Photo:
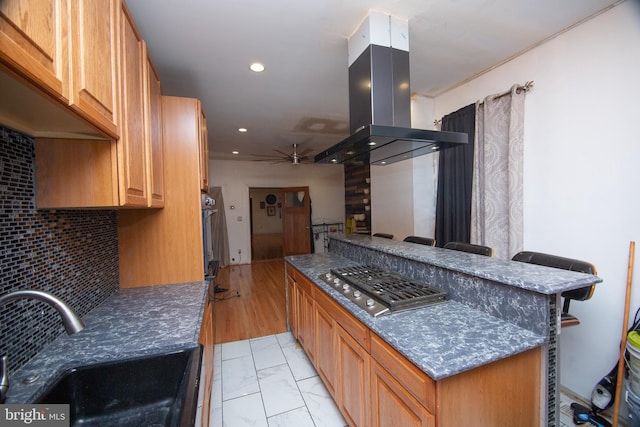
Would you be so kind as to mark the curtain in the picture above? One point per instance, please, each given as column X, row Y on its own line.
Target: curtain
column 496, row 209
column 219, row 236
column 455, row 178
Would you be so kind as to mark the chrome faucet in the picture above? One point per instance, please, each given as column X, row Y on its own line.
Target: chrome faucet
column 70, row 319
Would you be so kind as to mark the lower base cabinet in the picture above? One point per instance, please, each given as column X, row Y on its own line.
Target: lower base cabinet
column 392, row 405
column 353, row 383
column 326, row 348
column 207, row 341
column 374, row 385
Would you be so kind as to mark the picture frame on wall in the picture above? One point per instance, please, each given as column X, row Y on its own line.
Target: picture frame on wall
column 261, row 205
column 271, row 211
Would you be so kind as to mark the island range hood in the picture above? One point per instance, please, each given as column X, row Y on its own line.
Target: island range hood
column 380, row 100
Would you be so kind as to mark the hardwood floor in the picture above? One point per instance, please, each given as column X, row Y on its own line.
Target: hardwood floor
column 260, row 307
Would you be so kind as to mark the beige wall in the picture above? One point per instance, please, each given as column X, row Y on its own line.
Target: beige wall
column 326, row 190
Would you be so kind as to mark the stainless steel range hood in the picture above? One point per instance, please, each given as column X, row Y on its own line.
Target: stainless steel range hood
column 380, row 102
column 381, row 145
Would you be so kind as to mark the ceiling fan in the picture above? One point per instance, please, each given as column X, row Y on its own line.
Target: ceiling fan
column 294, row 158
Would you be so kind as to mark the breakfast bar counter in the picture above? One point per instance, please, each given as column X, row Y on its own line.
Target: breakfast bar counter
column 500, row 320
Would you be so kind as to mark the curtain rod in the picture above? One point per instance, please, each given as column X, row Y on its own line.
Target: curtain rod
column 519, row 89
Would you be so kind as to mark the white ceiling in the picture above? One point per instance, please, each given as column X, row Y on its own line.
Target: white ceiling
column 202, row 49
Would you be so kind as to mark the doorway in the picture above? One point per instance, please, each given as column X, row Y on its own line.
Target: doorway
column 280, row 222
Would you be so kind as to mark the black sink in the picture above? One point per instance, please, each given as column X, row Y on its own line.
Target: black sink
column 159, row 390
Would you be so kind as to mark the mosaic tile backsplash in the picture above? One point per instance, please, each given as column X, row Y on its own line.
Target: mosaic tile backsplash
column 70, row 253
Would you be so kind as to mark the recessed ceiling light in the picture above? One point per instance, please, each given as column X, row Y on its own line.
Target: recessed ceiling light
column 334, row 160
column 256, row 67
column 372, row 143
column 235, row 152
column 242, row 129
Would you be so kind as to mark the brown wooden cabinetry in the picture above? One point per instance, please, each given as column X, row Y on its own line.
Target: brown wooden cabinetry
column 353, row 384
column 392, row 404
column 155, row 145
column 132, row 147
column 204, row 152
column 162, row 246
column 374, row 385
column 292, row 305
column 66, row 50
column 93, row 91
column 33, row 41
column 207, row 341
column 127, row 171
column 325, row 342
column 306, row 324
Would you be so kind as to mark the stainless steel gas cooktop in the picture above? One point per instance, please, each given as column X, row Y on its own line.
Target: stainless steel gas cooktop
column 379, row 291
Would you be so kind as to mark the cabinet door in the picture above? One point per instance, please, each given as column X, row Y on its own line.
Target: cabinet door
column 132, row 149
column 292, row 306
column 353, row 385
column 325, row 348
column 391, row 404
column 305, row 323
column 155, row 154
column 33, row 41
column 204, row 153
column 207, row 340
column 94, row 62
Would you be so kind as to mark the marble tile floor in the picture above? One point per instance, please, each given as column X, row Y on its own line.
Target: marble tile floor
column 269, row 381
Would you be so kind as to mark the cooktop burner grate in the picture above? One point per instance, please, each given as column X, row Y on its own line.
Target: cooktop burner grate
column 392, row 290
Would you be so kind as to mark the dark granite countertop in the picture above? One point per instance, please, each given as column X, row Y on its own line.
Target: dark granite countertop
column 132, row 323
column 442, row 339
column 544, row 280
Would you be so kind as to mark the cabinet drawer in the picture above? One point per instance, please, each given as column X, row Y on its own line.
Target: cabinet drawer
column 357, row 330
column 305, row 284
column 413, row 379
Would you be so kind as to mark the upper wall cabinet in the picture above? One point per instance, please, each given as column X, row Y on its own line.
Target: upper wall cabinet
column 67, row 51
column 155, row 145
column 204, row 152
column 122, row 172
column 33, row 40
column 94, row 79
column 132, row 147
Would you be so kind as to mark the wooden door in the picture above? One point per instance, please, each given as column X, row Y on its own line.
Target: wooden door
column 353, row 385
column 94, row 59
column 132, row 149
column 296, row 221
column 392, row 405
column 33, row 41
column 153, row 98
column 326, row 348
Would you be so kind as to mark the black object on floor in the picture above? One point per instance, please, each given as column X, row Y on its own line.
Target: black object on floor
column 582, row 415
column 217, row 289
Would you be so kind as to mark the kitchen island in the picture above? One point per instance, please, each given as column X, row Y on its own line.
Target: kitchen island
column 498, row 328
column 132, row 323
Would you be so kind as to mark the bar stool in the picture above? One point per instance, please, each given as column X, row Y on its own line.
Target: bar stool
column 581, row 294
column 470, row 248
column 420, row 240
